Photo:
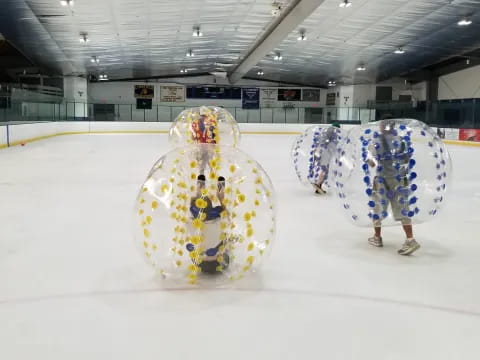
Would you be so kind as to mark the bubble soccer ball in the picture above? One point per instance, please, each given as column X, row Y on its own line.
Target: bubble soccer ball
column 312, row 152
column 204, row 125
column 390, row 172
column 205, row 213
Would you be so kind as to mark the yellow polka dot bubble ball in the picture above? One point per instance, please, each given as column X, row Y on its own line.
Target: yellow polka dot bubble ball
column 204, row 125
column 205, row 215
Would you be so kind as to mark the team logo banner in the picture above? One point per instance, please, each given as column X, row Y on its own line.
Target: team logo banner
column 144, row 91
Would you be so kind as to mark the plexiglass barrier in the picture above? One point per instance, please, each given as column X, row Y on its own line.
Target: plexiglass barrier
column 453, row 113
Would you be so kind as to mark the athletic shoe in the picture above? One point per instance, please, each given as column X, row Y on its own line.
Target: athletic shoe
column 409, row 247
column 318, row 190
column 375, row 241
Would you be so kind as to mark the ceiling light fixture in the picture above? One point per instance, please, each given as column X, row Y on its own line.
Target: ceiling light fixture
column 84, row 38
column 197, row 32
column 465, row 22
column 361, row 68
column 399, row 51
column 332, row 83
column 94, row 59
column 190, row 53
column 66, row 2
column 278, row 57
column 260, row 72
column 183, row 71
column 102, row 77
column 345, row 4
column 302, row 36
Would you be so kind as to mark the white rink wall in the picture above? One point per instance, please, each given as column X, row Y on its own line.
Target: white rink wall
column 34, row 131
column 19, row 133
column 3, row 136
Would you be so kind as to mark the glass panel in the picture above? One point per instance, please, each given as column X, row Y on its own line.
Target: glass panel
column 279, row 115
column 266, row 115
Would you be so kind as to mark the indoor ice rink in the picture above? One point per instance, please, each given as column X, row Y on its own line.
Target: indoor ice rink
column 89, row 93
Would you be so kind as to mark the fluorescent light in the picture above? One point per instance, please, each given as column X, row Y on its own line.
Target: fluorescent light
column 345, row 4
column 84, row 38
column 190, row 53
column 278, row 57
column 94, row 59
column 302, row 37
column 399, row 51
column 102, row 77
column 197, row 32
column 332, row 83
column 183, row 71
column 66, row 2
column 464, row 22
column 361, row 68
column 260, row 72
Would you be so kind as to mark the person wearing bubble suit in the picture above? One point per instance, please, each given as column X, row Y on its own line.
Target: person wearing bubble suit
column 215, row 257
column 312, row 153
column 389, row 172
column 390, row 156
column 204, row 125
column 194, row 227
column 326, row 147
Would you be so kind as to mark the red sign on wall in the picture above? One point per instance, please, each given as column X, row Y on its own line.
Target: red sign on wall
column 469, row 135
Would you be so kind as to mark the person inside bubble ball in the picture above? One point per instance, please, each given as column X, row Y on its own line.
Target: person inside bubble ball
column 326, row 146
column 213, row 255
column 204, row 131
column 389, row 156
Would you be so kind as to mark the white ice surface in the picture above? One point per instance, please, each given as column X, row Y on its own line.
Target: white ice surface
column 72, row 285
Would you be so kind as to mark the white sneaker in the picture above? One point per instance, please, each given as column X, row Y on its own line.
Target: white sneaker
column 375, row 241
column 409, row 247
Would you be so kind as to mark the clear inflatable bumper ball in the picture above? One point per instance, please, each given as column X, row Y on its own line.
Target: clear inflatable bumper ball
column 391, row 172
column 204, row 125
column 205, row 213
column 313, row 151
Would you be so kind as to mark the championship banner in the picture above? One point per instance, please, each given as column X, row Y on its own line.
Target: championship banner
column 311, row 95
column 144, row 91
column 469, row 135
column 172, row 93
column 268, row 97
column 250, row 98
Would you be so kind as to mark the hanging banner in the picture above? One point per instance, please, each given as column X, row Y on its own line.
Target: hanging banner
column 311, row 95
column 289, row 94
column 250, row 98
column 268, row 97
column 331, row 98
column 214, row 92
column 469, row 135
column 144, row 91
column 172, row 93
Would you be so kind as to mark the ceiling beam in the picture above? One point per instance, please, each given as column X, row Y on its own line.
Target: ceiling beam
column 287, row 22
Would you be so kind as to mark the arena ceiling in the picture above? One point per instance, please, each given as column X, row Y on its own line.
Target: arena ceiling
column 140, row 38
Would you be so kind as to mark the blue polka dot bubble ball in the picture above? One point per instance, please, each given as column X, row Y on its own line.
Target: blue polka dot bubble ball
column 391, row 172
column 313, row 151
